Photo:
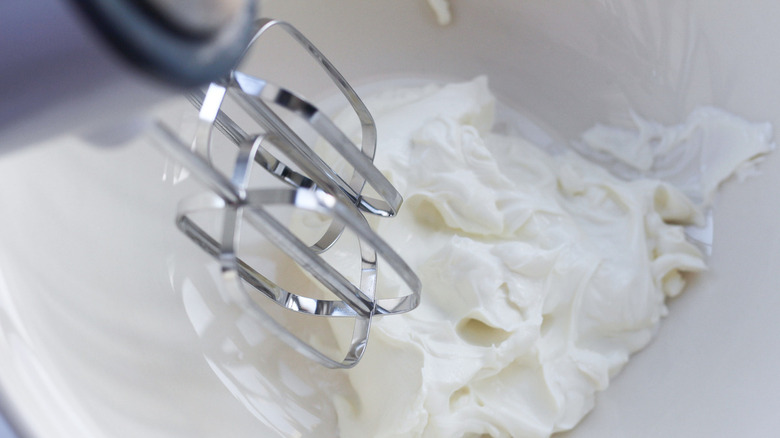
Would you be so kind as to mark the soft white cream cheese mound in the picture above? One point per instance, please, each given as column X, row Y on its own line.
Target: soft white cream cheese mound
column 696, row 155
column 441, row 8
column 541, row 275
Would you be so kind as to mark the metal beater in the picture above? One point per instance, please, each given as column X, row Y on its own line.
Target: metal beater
column 316, row 187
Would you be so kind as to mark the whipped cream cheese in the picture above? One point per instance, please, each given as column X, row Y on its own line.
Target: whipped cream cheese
column 441, row 8
column 541, row 273
column 695, row 156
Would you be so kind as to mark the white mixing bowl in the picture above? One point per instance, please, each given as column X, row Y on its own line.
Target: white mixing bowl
column 98, row 323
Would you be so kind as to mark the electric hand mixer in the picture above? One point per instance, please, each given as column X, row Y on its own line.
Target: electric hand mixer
column 191, row 43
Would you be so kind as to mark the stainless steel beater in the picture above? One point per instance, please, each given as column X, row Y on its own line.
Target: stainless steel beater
column 315, row 187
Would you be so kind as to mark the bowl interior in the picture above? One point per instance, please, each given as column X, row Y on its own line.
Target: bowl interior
column 108, row 324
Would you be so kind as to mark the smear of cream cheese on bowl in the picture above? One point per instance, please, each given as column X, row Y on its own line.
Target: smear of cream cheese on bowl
column 542, row 272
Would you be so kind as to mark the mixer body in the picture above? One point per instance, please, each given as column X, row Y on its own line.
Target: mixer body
column 67, row 65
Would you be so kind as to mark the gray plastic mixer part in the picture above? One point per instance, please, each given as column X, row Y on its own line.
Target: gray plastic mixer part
column 66, row 64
